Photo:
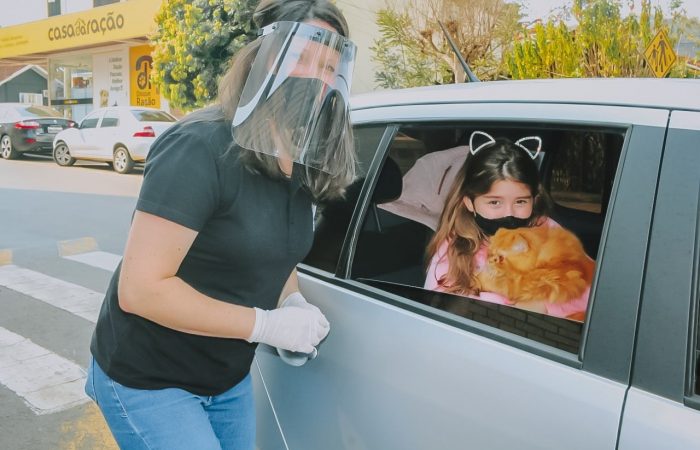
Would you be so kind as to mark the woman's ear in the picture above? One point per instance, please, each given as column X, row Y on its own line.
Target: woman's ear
column 468, row 203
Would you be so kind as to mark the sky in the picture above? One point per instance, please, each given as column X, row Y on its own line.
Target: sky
column 534, row 9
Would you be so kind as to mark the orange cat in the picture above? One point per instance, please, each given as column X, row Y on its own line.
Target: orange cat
column 536, row 264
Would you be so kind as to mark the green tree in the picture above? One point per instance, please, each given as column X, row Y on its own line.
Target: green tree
column 412, row 49
column 601, row 44
column 193, row 42
column 683, row 28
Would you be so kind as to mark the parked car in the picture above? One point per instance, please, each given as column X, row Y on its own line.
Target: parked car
column 26, row 128
column 406, row 368
column 119, row 135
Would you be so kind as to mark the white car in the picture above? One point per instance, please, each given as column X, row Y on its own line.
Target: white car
column 120, row 136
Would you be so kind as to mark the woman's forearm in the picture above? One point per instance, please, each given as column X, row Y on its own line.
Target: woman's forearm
column 174, row 304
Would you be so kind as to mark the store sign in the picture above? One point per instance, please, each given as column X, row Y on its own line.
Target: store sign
column 71, row 101
column 143, row 91
column 124, row 20
column 110, row 72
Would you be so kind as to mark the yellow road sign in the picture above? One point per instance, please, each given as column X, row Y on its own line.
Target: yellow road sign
column 660, row 55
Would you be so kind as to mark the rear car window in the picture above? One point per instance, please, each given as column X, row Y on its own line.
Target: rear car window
column 143, row 115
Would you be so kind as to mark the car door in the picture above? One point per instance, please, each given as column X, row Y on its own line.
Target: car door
column 86, row 140
column 663, row 404
column 412, row 369
column 107, row 134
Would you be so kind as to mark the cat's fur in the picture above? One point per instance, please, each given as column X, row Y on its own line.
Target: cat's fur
column 536, row 264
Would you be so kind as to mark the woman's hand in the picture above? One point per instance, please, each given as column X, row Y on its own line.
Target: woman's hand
column 294, row 328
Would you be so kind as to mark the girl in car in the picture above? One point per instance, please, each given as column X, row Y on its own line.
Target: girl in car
column 497, row 187
column 222, row 219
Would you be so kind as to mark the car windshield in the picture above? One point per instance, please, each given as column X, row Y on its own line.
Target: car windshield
column 37, row 110
column 143, row 115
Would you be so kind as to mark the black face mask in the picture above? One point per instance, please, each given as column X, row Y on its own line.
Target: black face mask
column 490, row 226
column 295, row 90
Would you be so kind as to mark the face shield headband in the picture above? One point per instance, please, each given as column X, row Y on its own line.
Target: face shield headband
column 294, row 103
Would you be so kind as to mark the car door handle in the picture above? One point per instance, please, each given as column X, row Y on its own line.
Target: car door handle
column 296, row 359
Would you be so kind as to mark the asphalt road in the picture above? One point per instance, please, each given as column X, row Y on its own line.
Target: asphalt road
column 62, row 230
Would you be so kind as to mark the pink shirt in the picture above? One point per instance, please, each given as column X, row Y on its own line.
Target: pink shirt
column 439, row 265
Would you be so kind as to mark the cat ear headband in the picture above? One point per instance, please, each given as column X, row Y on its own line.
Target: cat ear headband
column 519, row 143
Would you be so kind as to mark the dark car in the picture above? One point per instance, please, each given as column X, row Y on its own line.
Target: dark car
column 29, row 128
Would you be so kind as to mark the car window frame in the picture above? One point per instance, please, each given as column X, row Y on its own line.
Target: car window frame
column 667, row 335
column 642, row 124
column 98, row 114
column 117, row 116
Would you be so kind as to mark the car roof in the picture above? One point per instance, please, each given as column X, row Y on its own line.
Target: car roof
column 129, row 108
column 671, row 93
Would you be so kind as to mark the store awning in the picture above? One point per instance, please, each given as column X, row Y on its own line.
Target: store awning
column 126, row 22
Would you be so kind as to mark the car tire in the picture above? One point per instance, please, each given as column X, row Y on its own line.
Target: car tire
column 7, row 151
column 61, row 155
column 122, row 162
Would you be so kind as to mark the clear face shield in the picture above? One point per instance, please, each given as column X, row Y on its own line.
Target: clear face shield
column 294, row 104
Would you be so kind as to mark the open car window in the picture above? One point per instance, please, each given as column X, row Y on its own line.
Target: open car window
column 577, row 165
column 332, row 220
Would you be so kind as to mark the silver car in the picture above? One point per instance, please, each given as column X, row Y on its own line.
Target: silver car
column 407, row 368
column 118, row 135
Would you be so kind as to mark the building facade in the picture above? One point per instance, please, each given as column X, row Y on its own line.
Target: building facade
column 96, row 52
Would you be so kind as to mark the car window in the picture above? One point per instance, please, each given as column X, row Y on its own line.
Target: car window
column 144, row 115
column 110, row 119
column 38, row 111
column 420, row 167
column 90, row 121
column 331, row 220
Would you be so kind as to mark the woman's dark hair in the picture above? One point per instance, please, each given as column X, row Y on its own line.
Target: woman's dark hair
column 320, row 185
column 501, row 160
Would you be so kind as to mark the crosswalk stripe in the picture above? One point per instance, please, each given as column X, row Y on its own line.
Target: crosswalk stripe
column 47, row 382
column 99, row 259
column 78, row 300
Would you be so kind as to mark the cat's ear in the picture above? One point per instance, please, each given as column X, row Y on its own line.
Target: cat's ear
column 520, row 245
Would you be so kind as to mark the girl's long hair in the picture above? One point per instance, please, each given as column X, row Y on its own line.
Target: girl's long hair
column 500, row 161
column 341, row 160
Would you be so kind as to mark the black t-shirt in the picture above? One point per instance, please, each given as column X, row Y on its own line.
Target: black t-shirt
column 253, row 230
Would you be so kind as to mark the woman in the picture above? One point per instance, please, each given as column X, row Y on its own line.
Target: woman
column 223, row 216
column 498, row 186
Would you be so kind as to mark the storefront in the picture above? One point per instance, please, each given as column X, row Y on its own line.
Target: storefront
column 95, row 58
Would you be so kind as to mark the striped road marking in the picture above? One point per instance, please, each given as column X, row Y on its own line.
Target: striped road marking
column 76, row 246
column 99, row 259
column 47, row 382
column 70, row 297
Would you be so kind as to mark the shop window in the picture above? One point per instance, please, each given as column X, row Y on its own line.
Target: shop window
column 53, row 7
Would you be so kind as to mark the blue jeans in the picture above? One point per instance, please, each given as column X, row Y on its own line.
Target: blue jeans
column 173, row 418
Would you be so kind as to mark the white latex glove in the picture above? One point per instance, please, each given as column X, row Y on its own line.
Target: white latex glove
column 296, row 299
column 290, row 328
